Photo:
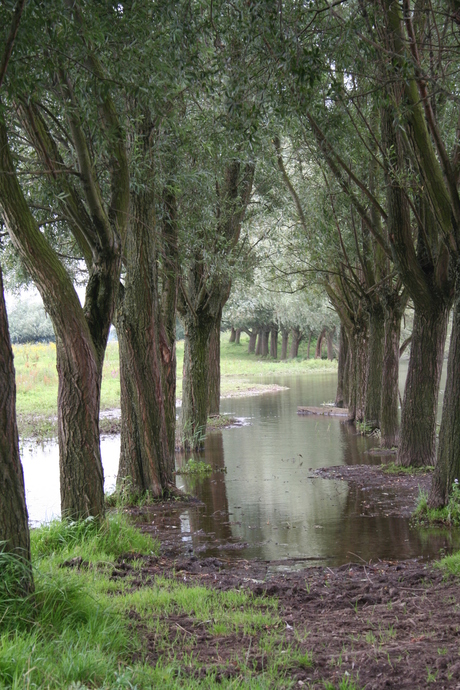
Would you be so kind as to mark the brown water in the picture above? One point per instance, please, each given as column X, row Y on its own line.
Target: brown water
column 262, row 500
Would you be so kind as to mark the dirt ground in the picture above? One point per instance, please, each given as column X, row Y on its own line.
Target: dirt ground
column 383, row 624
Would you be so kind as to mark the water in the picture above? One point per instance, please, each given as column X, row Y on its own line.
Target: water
column 267, row 504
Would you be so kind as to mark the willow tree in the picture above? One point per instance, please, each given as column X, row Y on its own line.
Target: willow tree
column 426, row 121
column 97, row 222
column 204, row 290
column 146, row 308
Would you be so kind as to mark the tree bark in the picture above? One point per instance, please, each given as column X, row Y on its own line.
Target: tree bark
column 146, row 339
column 309, row 344
column 284, row 343
column 232, row 338
column 203, row 298
column 389, row 415
column 143, row 431
column 343, row 349
column 274, row 342
column 358, row 349
column 195, row 382
column 259, row 342
column 330, row 343
column 252, row 341
column 447, row 468
column 14, row 525
column 374, row 365
column 214, row 368
column 238, row 336
column 418, row 420
column 319, row 344
column 265, row 337
column 296, row 339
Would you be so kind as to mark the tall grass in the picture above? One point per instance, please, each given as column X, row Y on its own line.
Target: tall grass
column 91, row 539
column 67, row 631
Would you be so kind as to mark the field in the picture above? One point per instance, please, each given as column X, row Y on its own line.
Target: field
column 37, row 381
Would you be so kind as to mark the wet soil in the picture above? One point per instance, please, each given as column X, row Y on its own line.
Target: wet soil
column 392, row 494
column 381, row 624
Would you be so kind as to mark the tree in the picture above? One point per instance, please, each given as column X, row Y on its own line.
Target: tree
column 14, row 525
column 98, row 229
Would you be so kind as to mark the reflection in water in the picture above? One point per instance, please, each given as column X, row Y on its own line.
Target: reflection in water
column 262, row 500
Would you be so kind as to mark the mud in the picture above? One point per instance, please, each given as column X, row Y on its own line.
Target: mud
column 381, row 624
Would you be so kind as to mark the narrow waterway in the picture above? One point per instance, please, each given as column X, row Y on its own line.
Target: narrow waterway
column 262, row 499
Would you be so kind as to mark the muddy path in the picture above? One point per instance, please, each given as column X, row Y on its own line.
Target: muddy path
column 381, row 624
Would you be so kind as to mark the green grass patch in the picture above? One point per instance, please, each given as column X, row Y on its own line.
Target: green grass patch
column 448, row 515
column 76, row 630
column 90, row 539
column 451, row 564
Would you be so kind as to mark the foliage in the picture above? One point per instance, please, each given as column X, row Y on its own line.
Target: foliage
column 29, row 323
column 196, row 467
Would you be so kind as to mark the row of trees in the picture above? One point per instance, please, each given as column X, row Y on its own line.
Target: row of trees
column 265, row 316
column 391, row 183
column 136, row 139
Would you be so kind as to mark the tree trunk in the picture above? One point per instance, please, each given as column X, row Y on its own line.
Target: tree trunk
column 274, row 342
column 319, row 344
column 214, row 369
column 284, row 343
column 296, row 339
column 330, row 343
column 169, row 295
column 147, row 451
column 259, row 342
column 447, row 469
column 343, row 349
column 374, row 365
column 358, row 348
column 14, row 526
column 265, row 337
column 79, row 389
column 309, row 344
column 418, row 420
column 389, row 416
column 238, row 336
column 252, row 341
column 232, row 335
column 194, row 411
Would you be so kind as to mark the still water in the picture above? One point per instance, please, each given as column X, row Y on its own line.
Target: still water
column 262, row 500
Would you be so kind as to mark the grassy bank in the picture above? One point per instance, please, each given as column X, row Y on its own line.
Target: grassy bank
column 36, row 379
column 84, row 628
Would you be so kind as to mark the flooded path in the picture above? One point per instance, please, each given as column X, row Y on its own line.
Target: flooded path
column 263, row 499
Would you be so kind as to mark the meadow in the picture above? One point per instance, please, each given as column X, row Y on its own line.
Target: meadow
column 37, row 381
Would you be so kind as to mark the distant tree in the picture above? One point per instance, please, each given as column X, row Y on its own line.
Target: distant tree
column 29, row 323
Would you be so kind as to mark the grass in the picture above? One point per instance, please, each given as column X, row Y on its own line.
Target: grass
column 393, row 468
column 447, row 515
column 37, row 381
column 76, row 630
